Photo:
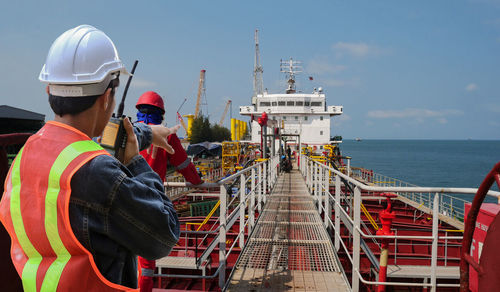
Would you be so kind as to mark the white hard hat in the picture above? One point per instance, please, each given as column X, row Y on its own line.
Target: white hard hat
column 81, row 62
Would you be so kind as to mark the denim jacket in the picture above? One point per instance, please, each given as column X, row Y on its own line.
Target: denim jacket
column 118, row 212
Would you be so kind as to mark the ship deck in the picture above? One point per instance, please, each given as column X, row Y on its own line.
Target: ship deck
column 289, row 250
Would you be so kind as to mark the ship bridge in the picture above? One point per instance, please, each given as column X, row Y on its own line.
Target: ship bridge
column 315, row 229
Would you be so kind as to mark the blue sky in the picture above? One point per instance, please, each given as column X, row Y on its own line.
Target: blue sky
column 401, row 69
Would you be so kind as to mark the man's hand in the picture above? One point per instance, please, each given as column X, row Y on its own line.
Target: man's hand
column 160, row 134
column 132, row 147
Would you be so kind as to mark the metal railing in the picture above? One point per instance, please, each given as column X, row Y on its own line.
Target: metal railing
column 317, row 180
column 448, row 205
column 254, row 183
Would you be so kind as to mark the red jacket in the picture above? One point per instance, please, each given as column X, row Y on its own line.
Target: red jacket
column 158, row 159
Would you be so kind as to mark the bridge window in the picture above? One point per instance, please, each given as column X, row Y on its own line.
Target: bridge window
column 281, row 103
column 284, row 118
column 289, row 103
column 321, row 132
column 305, row 118
column 307, row 103
column 320, row 118
column 316, row 103
column 274, row 103
column 299, row 103
column 296, row 118
column 265, row 103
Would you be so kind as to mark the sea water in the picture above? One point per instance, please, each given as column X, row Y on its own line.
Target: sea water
column 427, row 163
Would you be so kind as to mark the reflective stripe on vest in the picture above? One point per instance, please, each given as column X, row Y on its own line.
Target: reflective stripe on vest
column 35, row 211
column 53, row 274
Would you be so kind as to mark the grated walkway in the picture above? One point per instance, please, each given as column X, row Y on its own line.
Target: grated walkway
column 289, row 250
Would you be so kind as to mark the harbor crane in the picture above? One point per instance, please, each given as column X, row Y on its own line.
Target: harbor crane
column 201, row 89
column 228, row 104
column 179, row 117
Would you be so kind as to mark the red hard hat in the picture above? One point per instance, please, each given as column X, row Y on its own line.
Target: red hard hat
column 151, row 98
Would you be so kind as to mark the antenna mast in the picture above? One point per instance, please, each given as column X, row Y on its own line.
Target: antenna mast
column 290, row 67
column 258, row 84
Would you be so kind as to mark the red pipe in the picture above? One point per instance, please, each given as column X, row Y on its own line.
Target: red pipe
column 386, row 216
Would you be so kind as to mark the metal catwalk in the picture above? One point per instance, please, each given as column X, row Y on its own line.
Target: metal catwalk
column 289, row 249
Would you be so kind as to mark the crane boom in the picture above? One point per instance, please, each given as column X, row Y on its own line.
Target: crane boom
column 201, row 87
column 225, row 112
column 181, row 120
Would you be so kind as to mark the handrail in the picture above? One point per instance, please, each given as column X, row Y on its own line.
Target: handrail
column 261, row 177
column 370, row 218
column 409, row 189
column 314, row 173
column 209, row 215
column 402, row 283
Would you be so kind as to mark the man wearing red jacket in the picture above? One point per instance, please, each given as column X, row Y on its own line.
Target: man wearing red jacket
column 150, row 111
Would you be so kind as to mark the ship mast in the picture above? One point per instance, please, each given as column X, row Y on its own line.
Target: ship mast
column 290, row 67
column 258, row 84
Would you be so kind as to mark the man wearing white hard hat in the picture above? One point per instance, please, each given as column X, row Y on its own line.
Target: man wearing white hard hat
column 77, row 216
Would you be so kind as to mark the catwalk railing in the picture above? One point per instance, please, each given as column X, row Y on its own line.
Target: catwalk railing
column 253, row 184
column 318, row 177
column 450, row 206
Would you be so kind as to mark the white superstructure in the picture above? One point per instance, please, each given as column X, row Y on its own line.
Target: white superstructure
column 307, row 115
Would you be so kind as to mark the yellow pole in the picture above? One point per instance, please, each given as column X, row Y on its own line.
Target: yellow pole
column 240, row 130
column 190, row 124
column 233, row 129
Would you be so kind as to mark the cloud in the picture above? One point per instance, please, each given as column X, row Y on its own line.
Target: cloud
column 141, row 83
column 417, row 113
column 471, row 87
column 359, row 50
column 319, row 67
column 495, row 108
column 341, row 119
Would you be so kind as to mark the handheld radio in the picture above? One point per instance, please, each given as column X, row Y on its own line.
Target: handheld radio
column 114, row 136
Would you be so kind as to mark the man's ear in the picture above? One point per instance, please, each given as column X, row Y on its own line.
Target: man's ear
column 47, row 90
column 107, row 99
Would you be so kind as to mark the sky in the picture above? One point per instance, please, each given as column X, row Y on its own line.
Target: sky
column 401, row 69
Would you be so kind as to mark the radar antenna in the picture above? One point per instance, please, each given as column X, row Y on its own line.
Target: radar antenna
column 291, row 68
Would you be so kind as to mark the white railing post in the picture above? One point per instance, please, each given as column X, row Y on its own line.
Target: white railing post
column 320, row 189
column 435, row 233
column 356, row 240
column 243, row 206
column 264, row 188
column 259, row 188
column 349, row 166
column 326, row 195
column 337, row 211
column 314, row 182
column 309, row 175
column 251, row 210
column 222, row 236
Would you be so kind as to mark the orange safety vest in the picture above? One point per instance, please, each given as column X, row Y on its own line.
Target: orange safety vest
column 35, row 211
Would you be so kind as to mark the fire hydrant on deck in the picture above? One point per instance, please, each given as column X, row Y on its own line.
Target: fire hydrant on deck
column 386, row 216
